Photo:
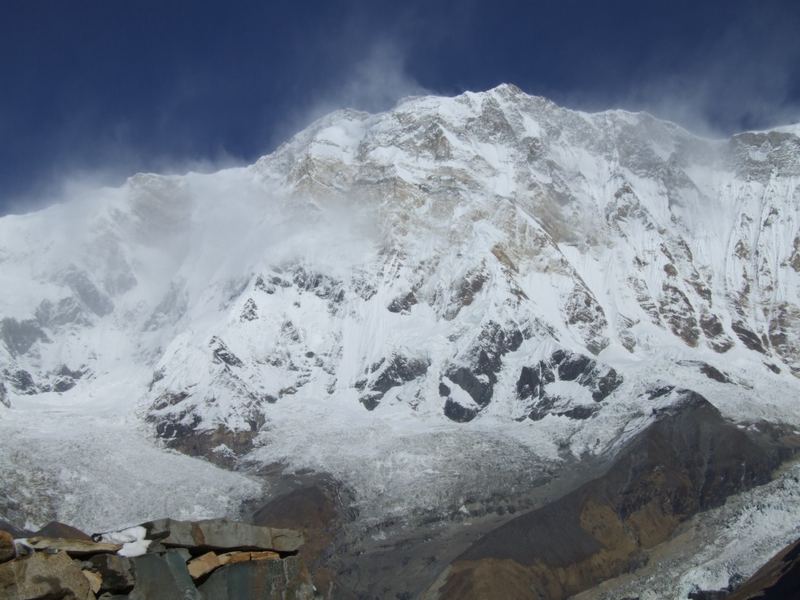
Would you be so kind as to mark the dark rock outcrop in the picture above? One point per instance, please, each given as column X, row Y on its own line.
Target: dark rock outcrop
column 459, row 413
column 562, row 365
column 22, row 382
column 319, row 506
column 748, row 338
column 221, row 353
column 384, row 375
column 56, row 529
column 715, row 333
column 249, row 311
column 689, row 459
column 163, row 576
column 714, row 373
column 403, row 304
column 208, row 443
column 678, row 313
column 479, row 376
column 117, row 573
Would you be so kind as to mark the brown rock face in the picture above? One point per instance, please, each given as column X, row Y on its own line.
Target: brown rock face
column 44, row 576
column 6, row 547
column 203, row 443
column 316, row 508
column 679, row 314
column 688, row 460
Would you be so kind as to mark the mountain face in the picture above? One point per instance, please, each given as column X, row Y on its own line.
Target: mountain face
column 490, row 255
column 429, row 298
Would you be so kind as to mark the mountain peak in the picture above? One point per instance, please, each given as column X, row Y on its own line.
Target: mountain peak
column 486, row 265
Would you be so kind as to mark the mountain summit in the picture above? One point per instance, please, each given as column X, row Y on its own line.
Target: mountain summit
column 474, row 280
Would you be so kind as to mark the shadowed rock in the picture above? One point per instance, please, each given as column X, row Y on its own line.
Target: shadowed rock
column 748, row 338
column 56, row 529
column 689, row 459
column 263, row 579
column 222, row 354
column 484, row 361
column 117, row 573
column 458, row 413
column 562, row 365
column 320, row 507
column 164, row 577
column 384, row 375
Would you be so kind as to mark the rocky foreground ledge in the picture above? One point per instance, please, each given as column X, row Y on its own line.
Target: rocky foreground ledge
column 214, row 559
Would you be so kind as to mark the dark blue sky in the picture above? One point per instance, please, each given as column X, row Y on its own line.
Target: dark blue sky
column 109, row 87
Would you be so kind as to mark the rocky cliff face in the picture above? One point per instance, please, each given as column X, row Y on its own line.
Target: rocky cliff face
column 688, row 460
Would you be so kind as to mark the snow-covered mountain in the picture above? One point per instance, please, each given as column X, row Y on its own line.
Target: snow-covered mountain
column 490, row 261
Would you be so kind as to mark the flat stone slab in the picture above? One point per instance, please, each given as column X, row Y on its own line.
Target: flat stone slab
column 222, row 534
column 205, row 564
column 235, row 557
column 72, row 547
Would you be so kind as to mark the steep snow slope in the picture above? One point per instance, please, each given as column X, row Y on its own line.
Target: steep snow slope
column 473, row 279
